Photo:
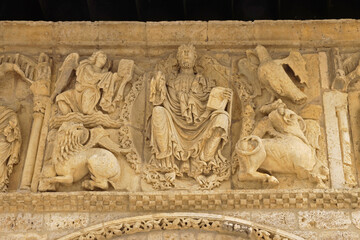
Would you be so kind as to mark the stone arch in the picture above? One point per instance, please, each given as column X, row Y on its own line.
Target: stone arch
column 180, row 221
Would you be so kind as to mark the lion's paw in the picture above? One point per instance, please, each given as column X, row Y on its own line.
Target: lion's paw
column 273, row 180
column 170, row 177
column 87, row 185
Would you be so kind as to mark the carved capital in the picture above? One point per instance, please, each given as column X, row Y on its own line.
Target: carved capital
column 40, row 103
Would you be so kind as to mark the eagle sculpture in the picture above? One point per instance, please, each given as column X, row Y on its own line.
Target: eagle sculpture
column 275, row 75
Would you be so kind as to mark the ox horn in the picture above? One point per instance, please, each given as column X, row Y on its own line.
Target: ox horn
column 302, row 124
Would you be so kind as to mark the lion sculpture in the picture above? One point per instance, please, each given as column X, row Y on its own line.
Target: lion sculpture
column 72, row 159
column 279, row 144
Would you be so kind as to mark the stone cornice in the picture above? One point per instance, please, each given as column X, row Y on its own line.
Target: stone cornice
column 212, row 34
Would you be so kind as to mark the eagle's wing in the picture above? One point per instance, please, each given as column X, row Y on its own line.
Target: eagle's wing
column 351, row 63
column 297, row 64
column 70, row 63
column 125, row 72
column 8, row 67
column 248, row 67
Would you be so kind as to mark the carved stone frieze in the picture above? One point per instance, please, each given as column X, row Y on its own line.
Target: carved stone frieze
column 123, row 119
column 191, row 104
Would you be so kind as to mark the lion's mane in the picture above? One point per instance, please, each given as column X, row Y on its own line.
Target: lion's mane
column 67, row 142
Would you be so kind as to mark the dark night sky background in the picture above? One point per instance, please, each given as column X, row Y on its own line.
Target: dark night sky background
column 172, row 10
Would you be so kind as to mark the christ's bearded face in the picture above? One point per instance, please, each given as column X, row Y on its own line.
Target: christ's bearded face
column 186, row 57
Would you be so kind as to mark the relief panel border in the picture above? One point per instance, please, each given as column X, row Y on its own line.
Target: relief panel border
column 179, row 201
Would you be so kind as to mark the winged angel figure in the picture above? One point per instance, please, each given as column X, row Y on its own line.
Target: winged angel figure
column 189, row 126
column 96, row 88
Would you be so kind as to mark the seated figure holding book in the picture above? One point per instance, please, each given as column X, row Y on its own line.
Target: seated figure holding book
column 190, row 121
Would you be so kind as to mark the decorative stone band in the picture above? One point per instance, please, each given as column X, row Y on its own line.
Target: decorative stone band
column 181, row 221
column 179, row 201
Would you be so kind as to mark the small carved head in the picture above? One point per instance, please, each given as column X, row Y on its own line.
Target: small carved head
column 286, row 121
column 283, row 116
column 75, row 129
column 98, row 58
column 186, row 56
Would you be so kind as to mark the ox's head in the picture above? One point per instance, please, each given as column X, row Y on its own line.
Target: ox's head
column 286, row 121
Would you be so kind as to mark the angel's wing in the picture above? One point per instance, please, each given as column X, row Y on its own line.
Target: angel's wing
column 125, row 72
column 297, row 64
column 351, row 63
column 212, row 70
column 70, row 63
column 248, row 68
column 7, row 67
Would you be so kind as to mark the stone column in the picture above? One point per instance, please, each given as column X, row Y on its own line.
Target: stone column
column 41, row 91
column 346, row 148
column 41, row 147
column 338, row 139
column 31, row 151
column 354, row 106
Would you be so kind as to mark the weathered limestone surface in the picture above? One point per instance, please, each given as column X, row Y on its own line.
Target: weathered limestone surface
column 180, row 130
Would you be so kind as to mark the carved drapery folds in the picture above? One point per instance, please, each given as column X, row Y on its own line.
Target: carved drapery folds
column 121, row 126
column 188, row 120
column 10, row 143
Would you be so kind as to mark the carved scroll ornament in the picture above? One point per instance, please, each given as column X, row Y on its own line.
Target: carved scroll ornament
column 181, row 221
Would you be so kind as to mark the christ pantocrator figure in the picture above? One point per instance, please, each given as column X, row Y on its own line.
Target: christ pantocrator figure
column 190, row 122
